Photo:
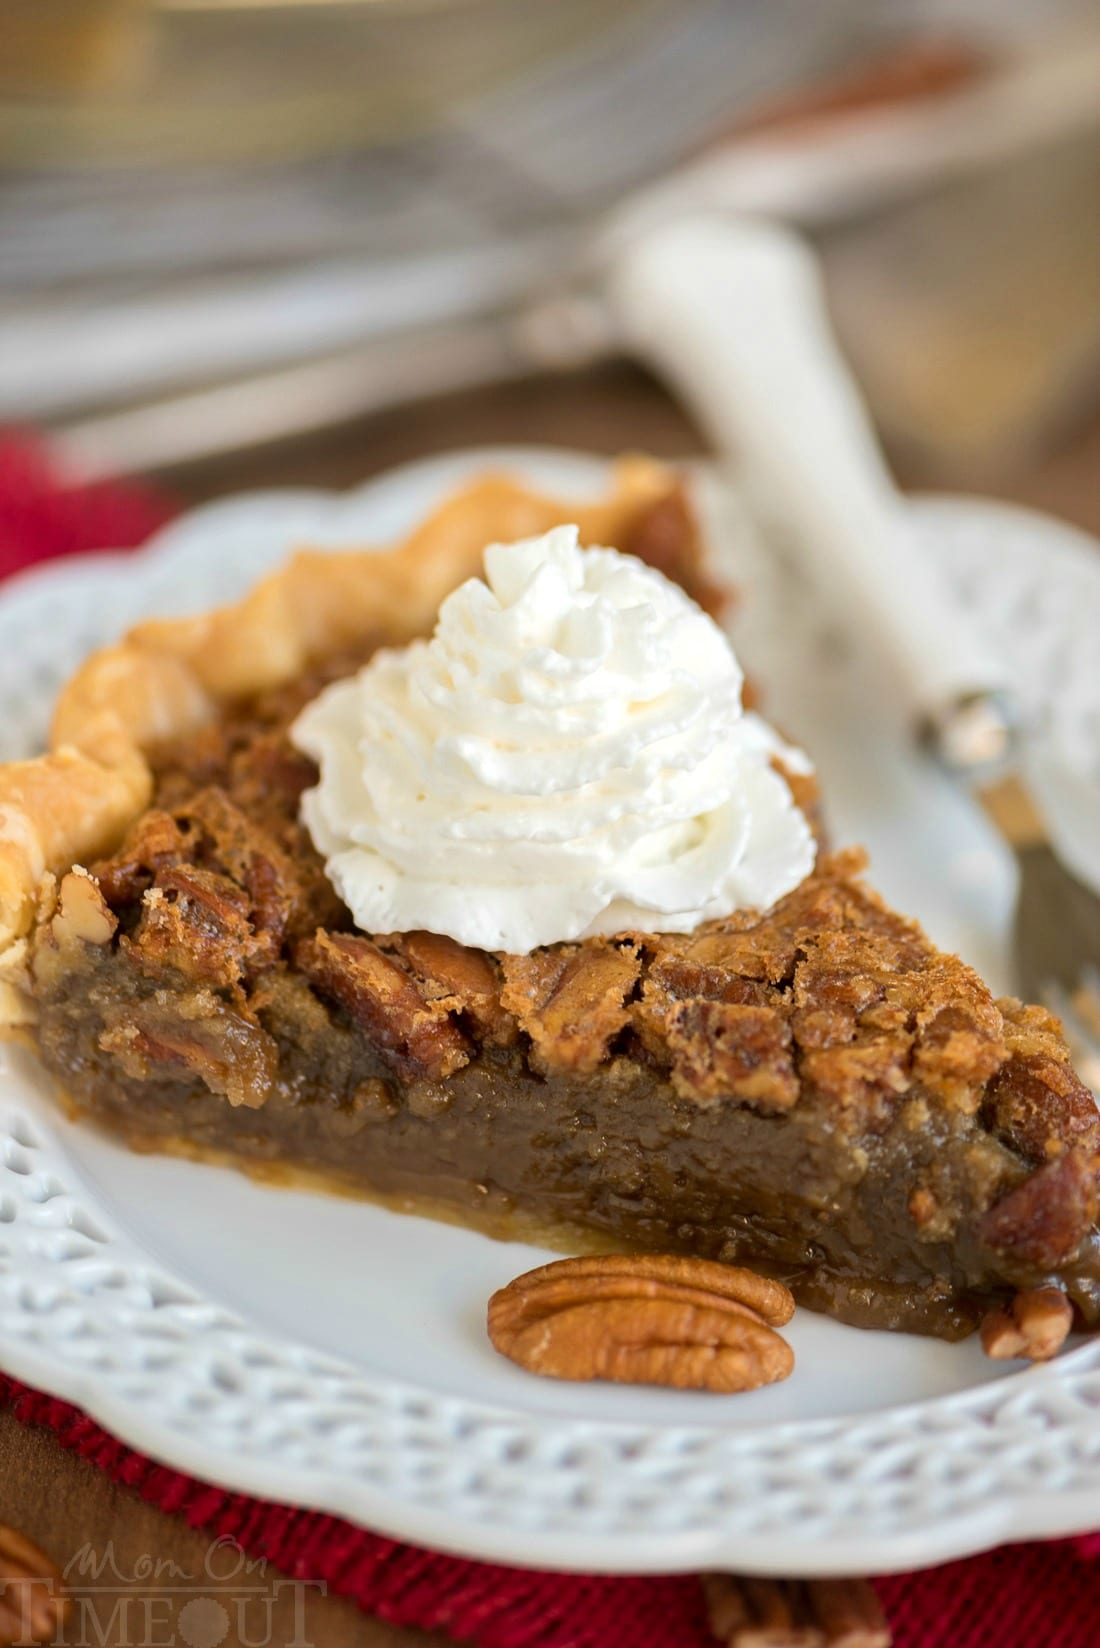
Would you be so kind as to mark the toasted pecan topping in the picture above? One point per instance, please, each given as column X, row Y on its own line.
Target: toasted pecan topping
column 419, row 1036
column 197, row 923
column 460, row 979
column 33, row 1601
column 1036, row 1102
column 571, row 1000
column 829, row 1008
column 1033, row 1328
column 727, row 1050
column 745, row 949
column 830, row 985
column 155, row 840
column 674, row 976
column 831, row 1002
column 645, row 1319
column 960, row 1043
column 230, row 842
column 830, row 996
column 862, row 1078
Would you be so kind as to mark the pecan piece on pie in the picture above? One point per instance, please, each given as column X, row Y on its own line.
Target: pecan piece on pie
column 83, row 916
column 461, row 980
column 198, row 1037
column 571, row 1000
column 1039, row 1219
column 418, row 1035
column 645, row 1319
column 721, row 1050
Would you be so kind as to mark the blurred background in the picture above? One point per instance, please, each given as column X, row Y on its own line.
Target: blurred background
column 256, row 240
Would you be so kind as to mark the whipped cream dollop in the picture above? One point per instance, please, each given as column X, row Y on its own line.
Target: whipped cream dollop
column 568, row 755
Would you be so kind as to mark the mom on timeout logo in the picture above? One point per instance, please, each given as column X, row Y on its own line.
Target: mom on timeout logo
column 99, row 1601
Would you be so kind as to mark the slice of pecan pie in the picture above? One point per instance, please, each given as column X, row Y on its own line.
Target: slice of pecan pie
column 811, row 1088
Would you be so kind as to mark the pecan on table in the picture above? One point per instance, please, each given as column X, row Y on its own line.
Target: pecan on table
column 791, row 1613
column 33, row 1604
column 646, row 1319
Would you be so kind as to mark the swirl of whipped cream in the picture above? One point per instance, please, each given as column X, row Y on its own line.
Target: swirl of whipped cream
column 566, row 756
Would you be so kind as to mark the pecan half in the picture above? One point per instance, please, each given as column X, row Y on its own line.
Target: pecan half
column 1033, row 1328
column 33, row 1604
column 1044, row 1219
column 571, row 1001
column 645, row 1319
column 789, row 1613
column 416, row 1035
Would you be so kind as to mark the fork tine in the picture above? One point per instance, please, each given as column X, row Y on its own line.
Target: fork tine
column 1057, row 937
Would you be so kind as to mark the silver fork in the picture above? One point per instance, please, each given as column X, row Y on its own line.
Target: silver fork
column 1056, row 939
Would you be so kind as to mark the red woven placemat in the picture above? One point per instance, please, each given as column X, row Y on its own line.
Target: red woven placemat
column 1024, row 1596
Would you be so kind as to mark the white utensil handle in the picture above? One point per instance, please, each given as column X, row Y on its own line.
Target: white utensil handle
column 733, row 313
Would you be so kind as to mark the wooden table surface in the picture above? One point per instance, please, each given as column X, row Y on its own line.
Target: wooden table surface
column 64, row 1504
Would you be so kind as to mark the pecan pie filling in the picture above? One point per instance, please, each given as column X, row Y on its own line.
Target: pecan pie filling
column 814, row 1090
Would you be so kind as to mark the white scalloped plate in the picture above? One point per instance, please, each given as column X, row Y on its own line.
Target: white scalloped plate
column 331, row 1354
